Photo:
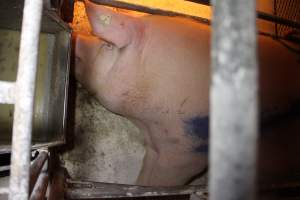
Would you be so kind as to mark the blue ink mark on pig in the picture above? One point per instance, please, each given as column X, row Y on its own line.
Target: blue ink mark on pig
column 203, row 148
column 198, row 129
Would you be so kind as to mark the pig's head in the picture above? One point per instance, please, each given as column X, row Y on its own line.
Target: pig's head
column 94, row 59
column 97, row 54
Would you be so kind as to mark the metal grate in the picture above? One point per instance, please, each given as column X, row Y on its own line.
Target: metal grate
column 287, row 9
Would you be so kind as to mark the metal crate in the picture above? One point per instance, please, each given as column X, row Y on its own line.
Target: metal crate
column 52, row 74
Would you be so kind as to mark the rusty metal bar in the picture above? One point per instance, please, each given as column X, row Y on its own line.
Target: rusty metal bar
column 93, row 190
column 40, row 188
column 233, row 101
column 39, row 191
column 7, row 92
column 35, row 169
column 57, row 186
column 24, row 95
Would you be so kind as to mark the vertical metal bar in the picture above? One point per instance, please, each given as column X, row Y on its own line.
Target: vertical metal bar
column 24, row 91
column 233, row 101
column 57, row 185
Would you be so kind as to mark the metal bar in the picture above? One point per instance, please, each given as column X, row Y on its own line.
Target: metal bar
column 57, row 186
column 7, row 148
column 205, row 2
column 36, row 168
column 233, row 101
column 40, row 188
column 93, row 190
column 24, row 91
column 7, row 92
column 278, row 20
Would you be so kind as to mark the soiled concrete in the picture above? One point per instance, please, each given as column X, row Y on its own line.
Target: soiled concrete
column 108, row 147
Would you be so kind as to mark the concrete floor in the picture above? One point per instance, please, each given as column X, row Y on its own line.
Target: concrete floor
column 108, row 148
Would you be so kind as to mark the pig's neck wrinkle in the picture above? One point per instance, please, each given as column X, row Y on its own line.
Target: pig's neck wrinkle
column 137, row 43
column 139, row 33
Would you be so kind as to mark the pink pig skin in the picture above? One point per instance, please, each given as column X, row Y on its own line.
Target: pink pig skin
column 155, row 71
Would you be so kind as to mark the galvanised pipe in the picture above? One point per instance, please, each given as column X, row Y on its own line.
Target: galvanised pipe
column 24, row 100
column 233, row 101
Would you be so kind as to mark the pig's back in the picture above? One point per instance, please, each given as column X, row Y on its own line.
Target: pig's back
column 175, row 63
column 176, row 57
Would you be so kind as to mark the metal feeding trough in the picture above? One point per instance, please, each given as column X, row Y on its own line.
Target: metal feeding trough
column 50, row 102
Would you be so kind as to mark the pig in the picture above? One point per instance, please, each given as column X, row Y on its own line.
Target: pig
column 155, row 71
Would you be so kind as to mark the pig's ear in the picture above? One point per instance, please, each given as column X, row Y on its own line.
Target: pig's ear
column 114, row 27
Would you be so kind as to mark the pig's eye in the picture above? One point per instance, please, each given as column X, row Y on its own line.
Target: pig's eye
column 108, row 46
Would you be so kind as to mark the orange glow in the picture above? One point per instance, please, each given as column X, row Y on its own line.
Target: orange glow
column 80, row 20
column 176, row 6
column 81, row 24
